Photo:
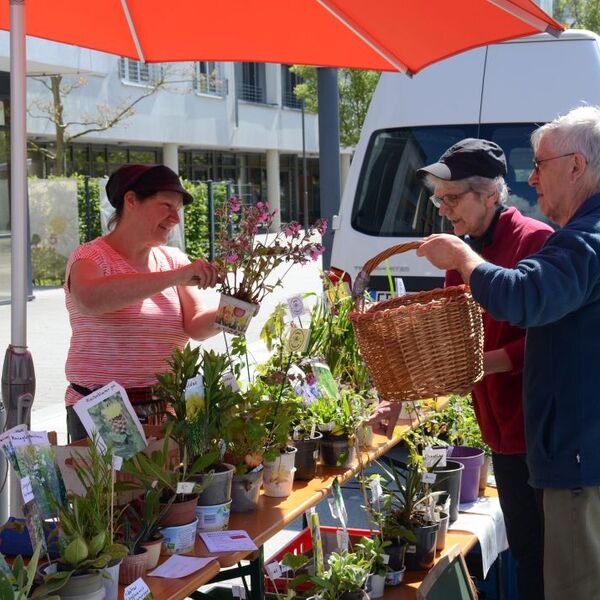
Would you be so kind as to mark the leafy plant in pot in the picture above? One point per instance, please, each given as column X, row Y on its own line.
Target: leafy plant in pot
column 17, row 580
column 171, row 478
column 85, row 531
column 345, row 578
column 408, row 513
column 373, row 550
column 196, row 415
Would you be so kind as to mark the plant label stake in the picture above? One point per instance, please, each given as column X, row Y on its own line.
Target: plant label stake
column 434, row 457
column 138, row 590
column 296, row 306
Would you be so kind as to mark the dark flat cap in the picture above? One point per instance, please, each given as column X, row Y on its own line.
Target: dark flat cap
column 143, row 179
column 467, row 158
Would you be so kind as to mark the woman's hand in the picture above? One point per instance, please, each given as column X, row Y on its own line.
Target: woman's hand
column 200, row 273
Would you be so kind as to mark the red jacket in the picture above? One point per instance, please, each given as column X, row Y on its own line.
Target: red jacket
column 498, row 398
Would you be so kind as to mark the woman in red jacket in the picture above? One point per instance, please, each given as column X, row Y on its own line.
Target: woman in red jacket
column 469, row 190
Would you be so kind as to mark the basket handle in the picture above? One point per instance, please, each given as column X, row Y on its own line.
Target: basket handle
column 362, row 279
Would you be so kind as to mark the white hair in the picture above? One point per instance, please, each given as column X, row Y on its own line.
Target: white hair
column 480, row 185
column 577, row 131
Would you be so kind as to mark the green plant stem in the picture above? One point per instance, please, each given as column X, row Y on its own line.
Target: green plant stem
column 277, row 404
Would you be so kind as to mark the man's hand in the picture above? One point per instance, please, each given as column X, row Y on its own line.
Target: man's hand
column 449, row 252
column 385, row 417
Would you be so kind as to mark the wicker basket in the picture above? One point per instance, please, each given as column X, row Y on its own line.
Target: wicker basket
column 419, row 345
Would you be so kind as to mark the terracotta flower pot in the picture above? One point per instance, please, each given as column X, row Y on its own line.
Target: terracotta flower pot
column 180, row 513
column 133, row 567
column 153, row 551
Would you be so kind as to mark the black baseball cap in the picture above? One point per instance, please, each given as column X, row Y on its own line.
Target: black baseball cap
column 467, row 158
column 143, row 178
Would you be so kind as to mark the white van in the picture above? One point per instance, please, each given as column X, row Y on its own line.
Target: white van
column 500, row 92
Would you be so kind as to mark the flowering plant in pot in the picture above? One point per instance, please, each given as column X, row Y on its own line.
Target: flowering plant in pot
column 245, row 262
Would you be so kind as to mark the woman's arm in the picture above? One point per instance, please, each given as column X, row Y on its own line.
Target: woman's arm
column 198, row 321
column 95, row 293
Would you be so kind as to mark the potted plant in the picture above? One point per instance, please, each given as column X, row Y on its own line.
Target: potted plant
column 85, row 532
column 196, row 416
column 134, row 563
column 345, row 578
column 17, row 580
column 246, row 263
column 373, row 550
column 408, row 513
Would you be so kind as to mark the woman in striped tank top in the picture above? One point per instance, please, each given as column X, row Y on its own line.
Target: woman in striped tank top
column 131, row 299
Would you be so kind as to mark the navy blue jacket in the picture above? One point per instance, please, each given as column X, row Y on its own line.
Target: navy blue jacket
column 555, row 294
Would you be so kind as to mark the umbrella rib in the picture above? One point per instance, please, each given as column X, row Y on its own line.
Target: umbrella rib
column 525, row 16
column 364, row 36
column 132, row 30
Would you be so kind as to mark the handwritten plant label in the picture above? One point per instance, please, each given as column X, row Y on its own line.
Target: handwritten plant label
column 296, row 306
column 428, row 478
column 274, row 570
column 138, row 590
column 434, row 457
column 230, row 381
column 185, row 487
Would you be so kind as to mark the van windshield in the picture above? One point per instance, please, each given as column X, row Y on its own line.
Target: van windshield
column 391, row 201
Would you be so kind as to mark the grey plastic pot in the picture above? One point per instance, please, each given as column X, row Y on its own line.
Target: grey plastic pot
column 245, row 491
column 218, row 490
column 337, row 451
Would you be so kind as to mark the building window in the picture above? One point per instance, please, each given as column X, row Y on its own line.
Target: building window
column 289, row 81
column 134, row 71
column 208, row 79
column 252, row 84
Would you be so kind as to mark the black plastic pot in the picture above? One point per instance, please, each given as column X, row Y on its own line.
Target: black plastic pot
column 336, row 451
column 421, row 555
column 396, row 552
column 307, row 455
column 448, row 479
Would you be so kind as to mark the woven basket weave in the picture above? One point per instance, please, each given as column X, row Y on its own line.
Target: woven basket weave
column 420, row 345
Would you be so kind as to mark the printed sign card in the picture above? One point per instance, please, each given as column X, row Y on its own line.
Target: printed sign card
column 298, row 340
column 328, row 388
column 296, row 306
column 109, row 413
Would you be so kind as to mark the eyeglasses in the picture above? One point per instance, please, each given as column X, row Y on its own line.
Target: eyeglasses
column 450, row 200
column 537, row 163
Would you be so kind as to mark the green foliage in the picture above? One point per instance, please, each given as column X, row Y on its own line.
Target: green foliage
column 578, row 14
column 94, row 193
column 373, row 551
column 17, row 580
column 47, row 265
column 347, row 572
column 356, row 88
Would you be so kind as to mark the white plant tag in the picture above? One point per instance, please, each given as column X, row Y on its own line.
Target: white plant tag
column 138, row 590
column 117, row 462
column 26, row 489
column 313, row 430
column 376, row 490
column 194, row 389
column 274, row 570
column 296, row 306
column 237, row 591
column 434, row 457
column 230, row 381
column 185, row 487
column 343, row 539
column 429, row 478
column 385, row 559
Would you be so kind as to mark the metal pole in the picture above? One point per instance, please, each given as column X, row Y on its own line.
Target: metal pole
column 304, row 173
column 211, row 220
column 329, row 153
column 18, row 377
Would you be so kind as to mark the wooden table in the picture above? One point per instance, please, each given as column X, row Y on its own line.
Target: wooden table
column 272, row 515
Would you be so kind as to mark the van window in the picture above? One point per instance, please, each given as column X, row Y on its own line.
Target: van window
column 390, row 201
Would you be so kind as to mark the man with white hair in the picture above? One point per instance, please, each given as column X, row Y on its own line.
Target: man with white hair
column 555, row 294
column 470, row 192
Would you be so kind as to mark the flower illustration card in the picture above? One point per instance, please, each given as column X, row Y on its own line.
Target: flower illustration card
column 108, row 412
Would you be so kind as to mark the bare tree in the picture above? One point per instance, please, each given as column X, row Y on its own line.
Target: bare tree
column 102, row 116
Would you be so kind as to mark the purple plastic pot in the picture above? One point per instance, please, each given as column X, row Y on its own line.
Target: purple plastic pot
column 472, row 459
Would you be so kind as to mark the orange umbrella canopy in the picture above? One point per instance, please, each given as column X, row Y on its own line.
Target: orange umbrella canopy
column 405, row 35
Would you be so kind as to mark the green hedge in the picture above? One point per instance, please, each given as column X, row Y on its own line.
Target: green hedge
column 195, row 215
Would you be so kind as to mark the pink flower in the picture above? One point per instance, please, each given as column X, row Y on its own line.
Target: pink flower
column 292, row 229
column 235, row 204
column 311, row 379
column 316, row 251
column 264, row 217
column 231, row 258
column 321, row 226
